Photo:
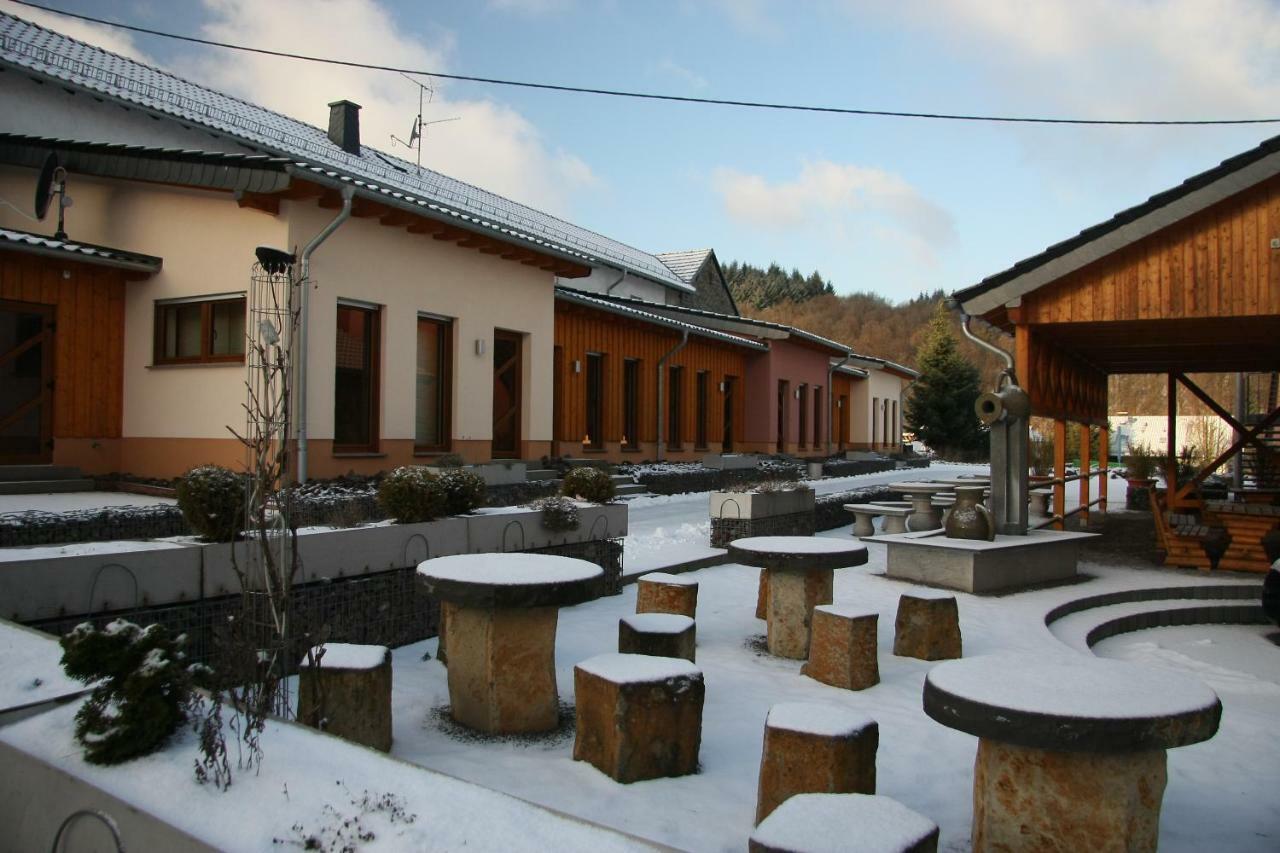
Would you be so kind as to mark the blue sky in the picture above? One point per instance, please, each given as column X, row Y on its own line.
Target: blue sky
column 894, row 206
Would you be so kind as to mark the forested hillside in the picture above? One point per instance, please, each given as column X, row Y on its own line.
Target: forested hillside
column 874, row 326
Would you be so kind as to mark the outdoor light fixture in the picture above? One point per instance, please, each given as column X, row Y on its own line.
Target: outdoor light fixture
column 724, row 386
column 577, row 366
column 480, row 342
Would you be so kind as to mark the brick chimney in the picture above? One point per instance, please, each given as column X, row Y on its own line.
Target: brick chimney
column 344, row 126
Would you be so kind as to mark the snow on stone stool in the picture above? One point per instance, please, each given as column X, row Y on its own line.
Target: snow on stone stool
column 800, row 576
column 1040, row 499
column 347, row 692
column 842, row 647
column 662, row 592
column 815, row 749
column 864, row 516
column 639, row 716
column 927, row 626
column 664, row 635
column 895, row 518
column 827, row 823
column 1081, row 740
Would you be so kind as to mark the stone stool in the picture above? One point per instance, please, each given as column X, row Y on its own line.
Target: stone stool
column 815, row 749
column 927, row 627
column 944, row 504
column 842, row 647
column 661, row 592
column 664, row 635
column 639, row 717
column 819, row 823
column 1040, row 500
column 864, row 516
column 1079, row 741
column 347, row 692
column 895, row 518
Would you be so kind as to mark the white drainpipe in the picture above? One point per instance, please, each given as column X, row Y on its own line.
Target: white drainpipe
column 348, row 193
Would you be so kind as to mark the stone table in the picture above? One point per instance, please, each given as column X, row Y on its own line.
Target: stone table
column 799, row 572
column 924, row 516
column 502, row 613
column 1071, row 748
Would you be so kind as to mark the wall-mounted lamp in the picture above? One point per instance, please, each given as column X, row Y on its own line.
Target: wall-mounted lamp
column 480, row 346
column 797, row 393
column 724, row 386
column 577, row 366
column 839, row 404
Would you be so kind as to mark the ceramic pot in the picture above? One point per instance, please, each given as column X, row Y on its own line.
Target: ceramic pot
column 969, row 518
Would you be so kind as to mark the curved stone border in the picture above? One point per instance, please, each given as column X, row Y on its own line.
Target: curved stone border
column 1248, row 612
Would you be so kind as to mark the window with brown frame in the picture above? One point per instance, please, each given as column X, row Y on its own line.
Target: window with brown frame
column 205, row 331
column 631, row 404
column 700, row 425
column 675, row 407
column 433, row 409
column 355, row 382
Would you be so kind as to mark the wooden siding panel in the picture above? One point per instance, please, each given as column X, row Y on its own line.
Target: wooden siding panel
column 1217, row 263
column 88, row 339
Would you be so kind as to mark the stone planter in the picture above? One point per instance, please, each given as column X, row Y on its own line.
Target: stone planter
column 523, row 531
column 493, row 473
column 728, row 461
column 753, row 505
column 1139, row 496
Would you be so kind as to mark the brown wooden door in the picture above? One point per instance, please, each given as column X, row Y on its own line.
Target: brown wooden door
column 507, row 368
column 726, row 440
column 26, row 383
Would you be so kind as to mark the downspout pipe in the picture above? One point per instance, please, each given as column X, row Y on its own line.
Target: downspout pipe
column 662, row 408
column 304, row 323
column 617, row 281
column 831, row 396
column 989, row 347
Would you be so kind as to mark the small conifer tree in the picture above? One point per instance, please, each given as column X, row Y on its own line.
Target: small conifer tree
column 940, row 406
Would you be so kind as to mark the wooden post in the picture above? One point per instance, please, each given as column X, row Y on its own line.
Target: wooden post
column 1086, row 467
column 1171, row 446
column 1104, row 455
column 1059, row 471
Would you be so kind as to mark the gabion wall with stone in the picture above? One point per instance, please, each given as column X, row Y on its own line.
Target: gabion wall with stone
column 384, row 608
column 715, row 479
column 855, row 467
column 35, row 527
column 725, row 530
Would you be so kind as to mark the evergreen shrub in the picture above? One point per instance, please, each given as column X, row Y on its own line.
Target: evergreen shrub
column 212, row 500
column 411, row 494
column 559, row 514
column 463, row 490
column 143, row 688
column 588, row 484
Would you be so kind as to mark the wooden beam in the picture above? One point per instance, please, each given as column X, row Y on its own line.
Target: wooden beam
column 1171, row 443
column 1104, row 456
column 1253, row 433
column 426, row 226
column 1086, row 465
column 396, row 218
column 362, row 208
column 1203, row 397
column 267, row 203
column 1060, row 471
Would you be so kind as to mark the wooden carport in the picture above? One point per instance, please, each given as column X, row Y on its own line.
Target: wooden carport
column 1187, row 282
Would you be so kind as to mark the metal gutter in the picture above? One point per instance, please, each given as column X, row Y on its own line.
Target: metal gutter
column 590, row 301
column 102, row 256
column 348, row 194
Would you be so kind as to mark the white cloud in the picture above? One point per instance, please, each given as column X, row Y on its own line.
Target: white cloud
column 109, row 38
column 531, row 7
column 492, row 146
column 823, row 191
column 1103, row 59
column 670, row 68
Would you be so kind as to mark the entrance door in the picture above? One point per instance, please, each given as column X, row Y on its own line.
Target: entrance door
column 26, row 383
column 507, row 368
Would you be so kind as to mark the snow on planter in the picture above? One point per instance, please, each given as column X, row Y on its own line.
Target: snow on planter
column 818, row 823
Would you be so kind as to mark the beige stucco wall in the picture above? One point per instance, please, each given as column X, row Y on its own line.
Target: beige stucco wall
column 879, row 386
column 207, row 244
column 411, row 273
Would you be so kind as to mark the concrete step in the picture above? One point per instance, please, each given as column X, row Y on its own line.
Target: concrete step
column 620, row 479
column 535, row 474
column 625, row 490
column 44, row 487
column 38, row 472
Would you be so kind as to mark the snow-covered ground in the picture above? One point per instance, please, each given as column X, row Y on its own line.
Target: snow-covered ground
column 1221, row 794
column 71, row 501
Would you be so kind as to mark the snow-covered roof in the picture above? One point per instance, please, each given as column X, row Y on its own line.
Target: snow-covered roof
column 36, row 244
column 634, row 310
column 685, row 264
column 54, row 56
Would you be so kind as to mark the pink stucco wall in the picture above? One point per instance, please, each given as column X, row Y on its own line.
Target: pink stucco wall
column 798, row 365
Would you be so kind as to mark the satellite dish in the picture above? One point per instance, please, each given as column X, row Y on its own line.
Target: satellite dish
column 44, row 185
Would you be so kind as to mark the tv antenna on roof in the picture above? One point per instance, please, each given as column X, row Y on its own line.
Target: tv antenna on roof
column 416, row 131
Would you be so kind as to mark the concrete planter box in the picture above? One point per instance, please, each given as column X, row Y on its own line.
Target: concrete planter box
column 48, row 587
column 521, row 531
column 729, row 461
column 814, row 470
column 493, row 473
column 1006, row 564
column 761, row 504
